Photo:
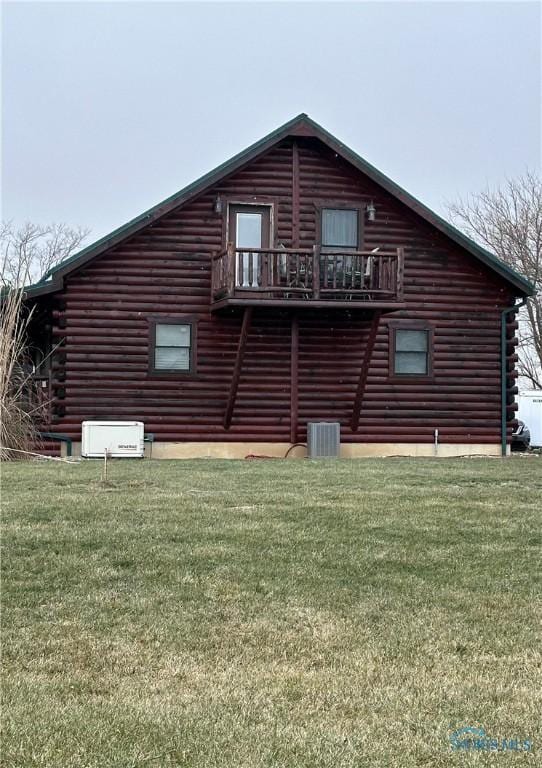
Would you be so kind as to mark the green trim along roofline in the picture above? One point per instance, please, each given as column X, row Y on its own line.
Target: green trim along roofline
column 302, row 125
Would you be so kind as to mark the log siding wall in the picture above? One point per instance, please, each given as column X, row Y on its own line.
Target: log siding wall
column 103, row 313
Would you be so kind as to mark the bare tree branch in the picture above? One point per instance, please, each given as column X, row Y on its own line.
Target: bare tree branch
column 508, row 221
column 29, row 252
column 26, row 253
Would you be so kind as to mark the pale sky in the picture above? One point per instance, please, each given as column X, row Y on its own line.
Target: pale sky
column 110, row 107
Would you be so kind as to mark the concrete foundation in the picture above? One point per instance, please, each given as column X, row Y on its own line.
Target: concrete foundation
column 161, row 450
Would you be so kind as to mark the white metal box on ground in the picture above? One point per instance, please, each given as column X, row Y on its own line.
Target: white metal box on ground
column 530, row 412
column 120, row 439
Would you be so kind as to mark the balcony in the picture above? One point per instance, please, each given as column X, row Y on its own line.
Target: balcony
column 298, row 277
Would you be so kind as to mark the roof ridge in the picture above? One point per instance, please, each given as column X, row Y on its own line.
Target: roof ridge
column 52, row 279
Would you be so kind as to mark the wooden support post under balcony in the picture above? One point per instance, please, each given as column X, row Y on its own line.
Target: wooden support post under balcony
column 364, row 372
column 247, row 317
column 294, row 379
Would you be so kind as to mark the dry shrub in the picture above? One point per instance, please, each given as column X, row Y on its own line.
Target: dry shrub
column 18, row 406
column 26, row 254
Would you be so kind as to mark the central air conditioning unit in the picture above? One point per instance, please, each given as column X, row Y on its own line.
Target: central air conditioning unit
column 323, row 439
column 119, row 439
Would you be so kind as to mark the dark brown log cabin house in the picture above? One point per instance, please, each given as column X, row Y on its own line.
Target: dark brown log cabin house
column 294, row 283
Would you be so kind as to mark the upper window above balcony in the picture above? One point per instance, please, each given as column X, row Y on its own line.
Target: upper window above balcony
column 340, row 228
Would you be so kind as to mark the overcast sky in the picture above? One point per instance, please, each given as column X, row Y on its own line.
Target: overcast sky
column 110, row 107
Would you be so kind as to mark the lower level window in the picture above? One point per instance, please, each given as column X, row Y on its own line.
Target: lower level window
column 172, row 347
column 411, row 352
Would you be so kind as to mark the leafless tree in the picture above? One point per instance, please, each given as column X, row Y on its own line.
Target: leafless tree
column 29, row 251
column 27, row 254
column 508, row 221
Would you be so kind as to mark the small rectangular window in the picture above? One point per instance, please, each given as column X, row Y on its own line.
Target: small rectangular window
column 172, row 350
column 340, row 228
column 411, row 352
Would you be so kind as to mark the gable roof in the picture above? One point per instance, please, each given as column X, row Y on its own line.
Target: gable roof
column 302, row 125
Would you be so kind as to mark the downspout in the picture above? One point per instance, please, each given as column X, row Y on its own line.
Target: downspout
column 504, row 313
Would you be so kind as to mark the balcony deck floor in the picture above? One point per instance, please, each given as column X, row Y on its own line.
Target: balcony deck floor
column 254, row 301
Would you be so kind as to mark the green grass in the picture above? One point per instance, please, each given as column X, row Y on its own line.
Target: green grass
column 270, row 613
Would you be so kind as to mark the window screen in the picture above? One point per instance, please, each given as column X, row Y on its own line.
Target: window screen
column 339, row 228
column 172, row 347
column 411, row 352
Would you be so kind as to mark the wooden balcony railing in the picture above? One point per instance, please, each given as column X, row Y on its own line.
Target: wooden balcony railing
column 308, row 274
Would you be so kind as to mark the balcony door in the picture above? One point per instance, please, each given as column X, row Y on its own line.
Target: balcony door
column 249, row 227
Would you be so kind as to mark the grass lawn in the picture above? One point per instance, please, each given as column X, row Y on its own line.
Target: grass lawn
column 270, row 613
